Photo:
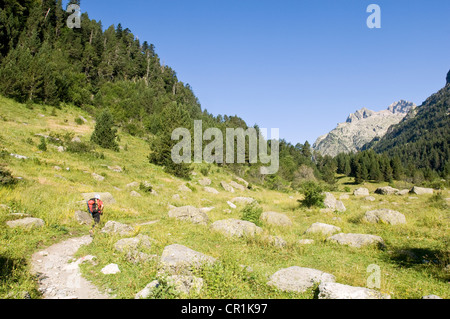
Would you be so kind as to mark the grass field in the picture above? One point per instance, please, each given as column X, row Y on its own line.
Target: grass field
column 413, row 264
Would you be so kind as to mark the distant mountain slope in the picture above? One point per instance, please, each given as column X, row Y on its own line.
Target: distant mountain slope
column 422, row 140
column 360, row 128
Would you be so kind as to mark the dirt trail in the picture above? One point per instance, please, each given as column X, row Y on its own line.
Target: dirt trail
column 60, row 277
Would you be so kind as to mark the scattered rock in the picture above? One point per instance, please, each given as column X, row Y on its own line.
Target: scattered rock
column 421, row 190
column 356, row 240
column 147, row 291
column 386, row 216
column 189, row 213
column 227, row 187
column 361, row 192
column 231, row 205
column 431, row 297
column 133, row 248
column 135, row 194
column 331, row 203
column 26, row 223
column 97, row 177
column 402, row 192
column 237, row 186
column 243, row 181
column 84, row 218
column 206, row 209
column 276, row 219
column 387, row 190
column 110, row 269
column 113, row 227
column 184, row 285
column 236, row 228
column 106, row 198
column 76, row 139
column 298, row 279
column 305, row 241
column 19, row 156
column 179, row 259
column 115, row 168
column 243, row 200
column 332, row 290
column 370, row 198
column 133, row 185
column 205, row 181
column 277, row 241
column 344, row 196
column 324, row 229
column 176, row 197
column 184, row 188
column 211, row 190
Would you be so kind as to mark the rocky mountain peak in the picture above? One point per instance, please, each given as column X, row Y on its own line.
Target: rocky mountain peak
column 448, row 77
column 359, row 115
column 401, row 106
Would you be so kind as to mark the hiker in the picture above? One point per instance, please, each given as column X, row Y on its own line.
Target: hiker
column 95, row 207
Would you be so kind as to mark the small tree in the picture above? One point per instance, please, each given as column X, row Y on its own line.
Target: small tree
column 104, row 133
column 313, row 194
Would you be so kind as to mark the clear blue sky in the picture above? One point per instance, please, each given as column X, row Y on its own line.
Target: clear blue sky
column 300, row 66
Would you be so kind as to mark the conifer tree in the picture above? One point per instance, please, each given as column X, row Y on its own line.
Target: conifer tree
column 104, row 133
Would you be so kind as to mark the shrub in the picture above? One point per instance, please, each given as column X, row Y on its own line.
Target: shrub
column 104, row 133
column 146, row 187
column 6, row 178
column 252, row 212
column 43, row 145
column 313, row 194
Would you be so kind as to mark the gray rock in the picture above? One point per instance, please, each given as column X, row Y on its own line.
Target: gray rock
column 237, row 186
column 344, row 197
column 231, row 205
column 133, row 185
column 236, row 228
column 211, row 190
column 370, row 198
column 147, row 291
column 421, row 190
column 387, row 190
column 276, row 219
column 189, row 213
column 113, row 227
column 184, row 188
column 110, row 269
column 183, row 285
column 402, row 192
column 332, row 290
column 323, row 229
column 179, row 259
column 298, row 279
column 385, row 216
column 356, row 240
column 135, row 194
column 227, row 187
column 333, row 204
column 205, row 181
column 362, row 191
column 26, row 223
column 431, row 297
column 243, row 200
column 134, row 248
column 277, row 241
column 305, row 241
column 243, row 181
column 106, row 198
column 115, row 168
column 84, row 218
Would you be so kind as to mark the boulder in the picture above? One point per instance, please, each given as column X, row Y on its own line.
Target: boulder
column 243, row 181
column 205, row 181
column 431, row 297
column 370, row 198
column 344, row 196
column 402, row 192
column 276, row 219
column 331, row 203
column 133, row 248
column 84, row 218
column 305, row 241
column 323, row 229
column 227, row 187
column 189, row 213
column 179, row 259
column 421, row 190
column 237, row 186
column 361, row 192
column 106, row 198
column 211, row 190
column 385, row 216
column 231, row 205
column 243, row 200
column 135, row 194
column 26, row 223
column 97, row 177
column 133, row 185
column 356, row 240
column 277, row 241
column 184, row 188
column 113, row 227
column 387, row 190
column 332, row 290
column 115, row 168
column 236, row 228
column 182, row 285
column 298, row 279
column 110, row 269
column 147, row 291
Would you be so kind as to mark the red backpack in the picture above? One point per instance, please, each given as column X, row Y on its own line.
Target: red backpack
column 94, row 206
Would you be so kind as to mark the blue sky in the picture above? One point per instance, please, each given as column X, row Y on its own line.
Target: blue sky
column 300, row 66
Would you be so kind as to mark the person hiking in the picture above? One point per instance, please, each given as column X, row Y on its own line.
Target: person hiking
column 95, row 207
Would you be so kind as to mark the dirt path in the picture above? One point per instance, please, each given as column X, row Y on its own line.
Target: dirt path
column 59, row 278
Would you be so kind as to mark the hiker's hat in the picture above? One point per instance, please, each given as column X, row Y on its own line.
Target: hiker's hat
column 97, row 196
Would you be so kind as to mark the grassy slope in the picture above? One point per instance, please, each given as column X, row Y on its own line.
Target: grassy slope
column 55, row 195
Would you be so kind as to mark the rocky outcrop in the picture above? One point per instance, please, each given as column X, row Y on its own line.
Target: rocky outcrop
column 361, row 128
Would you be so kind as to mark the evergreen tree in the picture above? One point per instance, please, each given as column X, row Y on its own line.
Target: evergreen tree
column 104, row 133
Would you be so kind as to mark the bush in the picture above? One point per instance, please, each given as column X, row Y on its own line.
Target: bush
column 252, row 212
column 104, row 133
column 6, row 178
column 313, row 194
column 146, row 187
column 43, row 145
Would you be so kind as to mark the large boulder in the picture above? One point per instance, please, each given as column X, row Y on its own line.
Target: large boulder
column 386, row 190
column 332, row 290
column 333, row 204
column 113, row 227
column 189, row 213
column 362, row 191
column 236, row 228
column 276, row 219
column 26, row 223
column 179, row 259
column 323, row 229
column 421, row 190
column 227, row 187
column 84, row 218
column 106, row 198
column 356, row 240
column 298, row 279
column 385, row 216
column 237, row 186
column 134, row 248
